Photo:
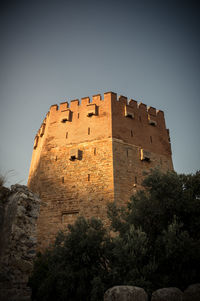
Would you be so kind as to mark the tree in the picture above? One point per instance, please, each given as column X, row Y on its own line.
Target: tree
column 75, row 268
column 167, row 211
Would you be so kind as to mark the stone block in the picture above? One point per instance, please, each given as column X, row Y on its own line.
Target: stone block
column 192, row 293
column 167, row 294
column 125, row 293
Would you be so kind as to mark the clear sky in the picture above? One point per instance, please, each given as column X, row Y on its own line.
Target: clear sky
column 52, row 51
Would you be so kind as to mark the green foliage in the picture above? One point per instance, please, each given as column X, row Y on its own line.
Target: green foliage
column 155, row 243
column 167, row 211
column 75, row 268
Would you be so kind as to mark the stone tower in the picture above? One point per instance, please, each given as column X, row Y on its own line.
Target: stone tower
column 88, row 154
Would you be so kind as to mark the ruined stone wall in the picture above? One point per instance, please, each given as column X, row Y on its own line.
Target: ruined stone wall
column 88, row 154
column 19, row 211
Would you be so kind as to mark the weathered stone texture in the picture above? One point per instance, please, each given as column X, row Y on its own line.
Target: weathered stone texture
column 125, row 293
column 20, row 210
column 167, row 294
column 89, row 154
column 192, row 293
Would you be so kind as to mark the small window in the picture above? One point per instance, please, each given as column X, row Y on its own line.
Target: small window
column 42, row 129
column 36, row 142
column 63, row 180
column 151, row 119
column 131, row 133
column 75, row 154
column 88, row 177
column 145, row 155
column 69, row 217
column 66, row 135
column 56, row 158
column 95, row 151
column 66, row 115
column 129, row 112
column 88, row 131
column 64, row 120
column 78, row 116
column 91, row 109
column 152, row 122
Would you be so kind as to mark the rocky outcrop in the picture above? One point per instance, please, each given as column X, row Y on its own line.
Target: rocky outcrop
column 125, row 293
column 192, row 293
column 19, row 210
column 167, row 294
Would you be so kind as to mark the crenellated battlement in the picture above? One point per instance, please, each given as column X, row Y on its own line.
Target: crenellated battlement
column 97, row 99
column 155, row 117
column 80, row 117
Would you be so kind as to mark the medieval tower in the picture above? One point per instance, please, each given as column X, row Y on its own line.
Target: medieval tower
column 90, row 153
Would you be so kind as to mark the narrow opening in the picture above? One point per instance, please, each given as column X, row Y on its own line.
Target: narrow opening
column 88, row 131
column 78, row 116
column 135, row 180
column 66, row 135
column 73, row 158
column 36, row 142
column 95, row 151
column 140, row 119
column 131, row 133
column 151, row 140
column 63, row 180
column 64, row 120
column 88, row 177
column 56, row 158
column 129, row 115
column 152, row 122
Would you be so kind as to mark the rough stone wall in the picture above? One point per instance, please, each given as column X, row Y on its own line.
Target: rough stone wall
column 19, row 212
column 73, row 188
column 105, row 138
column 144, row 129
column 129, row 170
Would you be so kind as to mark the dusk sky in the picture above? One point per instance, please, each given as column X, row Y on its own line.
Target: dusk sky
column 52, row 51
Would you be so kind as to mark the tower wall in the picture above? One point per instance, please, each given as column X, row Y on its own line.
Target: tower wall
column 72, row 187
column 88, row 154
column 137, row 128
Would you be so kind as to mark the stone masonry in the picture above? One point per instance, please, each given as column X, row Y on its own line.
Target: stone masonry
column 19, row 209
column 86, row 155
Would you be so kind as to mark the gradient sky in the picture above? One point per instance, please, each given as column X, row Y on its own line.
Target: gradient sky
column 52, row 51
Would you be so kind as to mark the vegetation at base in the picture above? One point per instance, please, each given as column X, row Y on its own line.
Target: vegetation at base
column 156, row 243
